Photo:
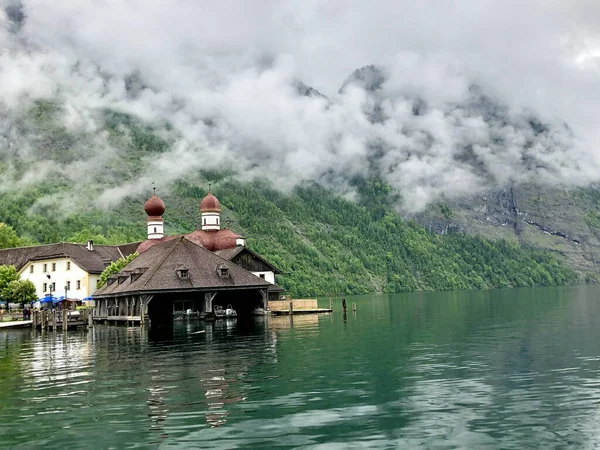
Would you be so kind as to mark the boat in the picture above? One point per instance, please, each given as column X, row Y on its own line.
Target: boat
column 230, row 312
column 218, row 311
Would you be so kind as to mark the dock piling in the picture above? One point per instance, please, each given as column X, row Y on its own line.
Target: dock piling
column 354, row 306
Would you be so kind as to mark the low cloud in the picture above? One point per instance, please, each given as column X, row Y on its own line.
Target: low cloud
column 463, row 96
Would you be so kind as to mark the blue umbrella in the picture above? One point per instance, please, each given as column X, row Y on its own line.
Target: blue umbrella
column 88, row 298
column 48, row 299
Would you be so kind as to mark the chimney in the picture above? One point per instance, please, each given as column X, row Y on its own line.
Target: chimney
column 90, row 245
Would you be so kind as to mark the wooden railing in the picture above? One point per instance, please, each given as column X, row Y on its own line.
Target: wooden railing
column 61, row 319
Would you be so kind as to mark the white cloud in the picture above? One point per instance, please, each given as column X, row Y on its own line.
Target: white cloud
column 223, row 74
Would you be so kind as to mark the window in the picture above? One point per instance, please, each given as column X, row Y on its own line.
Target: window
column 68, row 265
column 204, row 221
column 155, row 229
column 217, row 221
column 68, row 285
column 45, row 287
column 53, row 286
column 31, row 269
column 53, row 267
column 45, row 268
column 262, row 275
column 223, row 271
column 183, row 272
column 78, row 284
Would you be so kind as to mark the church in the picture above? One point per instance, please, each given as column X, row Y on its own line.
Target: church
column 199, row 272
column 212, row 264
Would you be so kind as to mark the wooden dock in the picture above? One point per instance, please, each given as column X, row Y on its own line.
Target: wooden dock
column 16, row 324
column 296, row 312
column 64, row 319
column 294, row 307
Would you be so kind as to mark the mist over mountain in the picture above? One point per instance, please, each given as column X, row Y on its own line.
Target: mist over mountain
column 450, row 108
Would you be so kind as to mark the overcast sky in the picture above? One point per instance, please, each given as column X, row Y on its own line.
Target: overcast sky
column 234, row 63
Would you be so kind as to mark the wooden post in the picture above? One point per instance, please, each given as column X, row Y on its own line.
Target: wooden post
column 353, row 306
column 33, row 319
column 65, row 319
column 344, row 304
column 90, row 317
column 291, row 307
column 54, row 320
column 330, row 304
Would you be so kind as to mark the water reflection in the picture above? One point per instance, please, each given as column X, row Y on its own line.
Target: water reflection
column 502, row 369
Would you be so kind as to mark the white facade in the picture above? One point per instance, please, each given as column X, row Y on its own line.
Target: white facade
column 156, row 228
column 50, row 276
column 211, row 221
column 268, row 276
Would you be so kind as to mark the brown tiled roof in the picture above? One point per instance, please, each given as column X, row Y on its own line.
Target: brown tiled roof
column 230, row 253
column 162, row 261
column 92, row 261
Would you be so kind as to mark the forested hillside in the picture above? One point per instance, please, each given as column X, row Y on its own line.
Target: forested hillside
column 322, row 242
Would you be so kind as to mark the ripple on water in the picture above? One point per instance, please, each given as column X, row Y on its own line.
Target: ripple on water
column 470, row 370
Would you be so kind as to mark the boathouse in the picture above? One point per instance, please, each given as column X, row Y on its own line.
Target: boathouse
column 175, row 276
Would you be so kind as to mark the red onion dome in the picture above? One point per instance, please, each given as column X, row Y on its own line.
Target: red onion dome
column 154, row 206
column 210, row 204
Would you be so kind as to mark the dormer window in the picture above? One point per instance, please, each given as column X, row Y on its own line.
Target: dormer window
column 183, row 272
column 223, row 271
column 137, row 273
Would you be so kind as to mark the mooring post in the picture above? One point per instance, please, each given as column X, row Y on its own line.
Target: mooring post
column 330, row 304
column 33, row 318
column 344, row 304
column 90, row 317
column 354, row 306
column 54, row 320
column 65, row 318
column 291, row 307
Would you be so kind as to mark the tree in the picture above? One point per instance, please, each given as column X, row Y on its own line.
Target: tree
column 8, row 274
column 8, row 237
column 19, row 291
column 115, row 267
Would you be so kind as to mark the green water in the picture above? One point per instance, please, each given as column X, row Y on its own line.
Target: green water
column 500, row 369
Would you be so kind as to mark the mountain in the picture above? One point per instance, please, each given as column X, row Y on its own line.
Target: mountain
column 565, row 223
column 55, row 179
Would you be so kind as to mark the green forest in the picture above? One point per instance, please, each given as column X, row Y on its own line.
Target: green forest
column 323, row 243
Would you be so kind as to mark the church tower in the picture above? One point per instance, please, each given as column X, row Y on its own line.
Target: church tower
column 155, row 208
column 210, row 210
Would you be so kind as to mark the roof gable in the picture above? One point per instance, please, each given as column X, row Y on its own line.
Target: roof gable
column 232, row 253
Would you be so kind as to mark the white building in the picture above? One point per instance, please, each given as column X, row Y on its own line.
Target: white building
column 64, row 268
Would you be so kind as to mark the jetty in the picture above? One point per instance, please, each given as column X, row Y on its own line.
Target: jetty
column 16, row 324
column 294, row 307
column 64, row 319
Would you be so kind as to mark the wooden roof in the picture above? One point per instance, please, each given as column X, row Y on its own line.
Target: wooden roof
column 159, row 271
column 230, row 253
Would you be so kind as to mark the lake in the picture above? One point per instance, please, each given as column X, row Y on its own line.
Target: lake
column 515, row 368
